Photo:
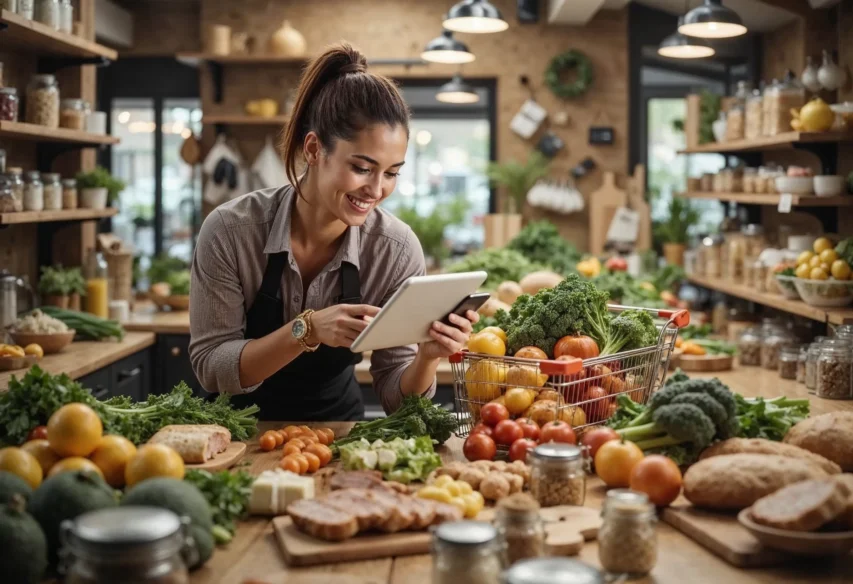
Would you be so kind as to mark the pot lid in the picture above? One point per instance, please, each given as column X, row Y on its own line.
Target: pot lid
column 557, row 451
column 126, row 525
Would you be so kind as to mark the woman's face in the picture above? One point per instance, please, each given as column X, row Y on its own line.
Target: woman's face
column 357, row 175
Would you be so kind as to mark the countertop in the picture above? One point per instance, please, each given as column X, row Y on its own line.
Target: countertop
column 81, row 358
column 254, row 552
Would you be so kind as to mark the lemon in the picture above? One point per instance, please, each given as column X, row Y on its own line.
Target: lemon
column 804, row 257
column 818, row 274
column 825, row 267
column 815, row 262
column 821, row 244
column 828, row 256
column 803, row 270
column 34, row 349
column 840, row 270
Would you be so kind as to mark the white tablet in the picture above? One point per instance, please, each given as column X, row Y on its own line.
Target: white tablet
column 407, row 317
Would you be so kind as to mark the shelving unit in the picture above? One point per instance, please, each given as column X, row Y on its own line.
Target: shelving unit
column 19, row 33
column 244, row 120
column 54, row 216
column 772, row 199
column 778, row 142
column 217, row 63
column 22, row 131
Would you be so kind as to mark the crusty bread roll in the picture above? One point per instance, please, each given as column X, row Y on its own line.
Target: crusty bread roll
column 762, row 446
column 830, row 435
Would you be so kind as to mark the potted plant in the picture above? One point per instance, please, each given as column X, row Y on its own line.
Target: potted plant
column 76, row 287
column 517, row 179
column 430, row 229
column 673, row 231
column 98, row 188
column 53, row 286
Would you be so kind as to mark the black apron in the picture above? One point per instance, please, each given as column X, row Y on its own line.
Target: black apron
column 318, row 386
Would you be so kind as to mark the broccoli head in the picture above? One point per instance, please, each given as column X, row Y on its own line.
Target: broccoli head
column 707, row 404
column 632, row 329
column 678, row 375
column 673, row 424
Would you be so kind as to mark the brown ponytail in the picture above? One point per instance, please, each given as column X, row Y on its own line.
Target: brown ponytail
column 337, row 98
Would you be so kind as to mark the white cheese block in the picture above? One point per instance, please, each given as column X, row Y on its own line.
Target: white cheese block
column 274, row 490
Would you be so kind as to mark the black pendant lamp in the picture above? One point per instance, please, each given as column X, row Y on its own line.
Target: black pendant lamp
column 457, row 91
column 712, row 20
column 475, row 16
column 446, row 49
column 679, row 46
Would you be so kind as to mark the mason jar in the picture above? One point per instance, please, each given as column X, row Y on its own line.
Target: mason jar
column 43, row 101
column 33, row 192
column 774, row 339
column 749, row 347
column 519, row 523
column 52, row 191
column 73, row 114
column 467, row 551
column 557, row 474
column 788, row 359
column 7, row 205
column 48, row 12
column 13, row 175
column 69, row 193
column 66, row 17
column 9, row 104
column 834, row 371
column 552, row 570
column 627, row 539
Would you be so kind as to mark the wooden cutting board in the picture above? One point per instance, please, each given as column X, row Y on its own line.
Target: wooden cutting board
column 288, row 577
column 223, row 460
column 721, row 534
column 706, row 363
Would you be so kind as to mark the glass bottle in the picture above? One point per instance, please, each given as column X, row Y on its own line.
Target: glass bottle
column 735, row 120
column 518, row 521
column 753, row 117
column 52, row 191
column 557, row 474
column 834, row 371
column 467, row 551
column 627, row 540
column 9, row 104
column 14, row 175
column 802, row 357
column 97, row 287
column 33, row 192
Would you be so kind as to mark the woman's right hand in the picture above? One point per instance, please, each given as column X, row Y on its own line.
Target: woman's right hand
column 339, row 325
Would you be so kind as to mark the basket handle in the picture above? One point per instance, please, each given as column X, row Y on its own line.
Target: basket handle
column 562, row 367
column 457, row 356
column 681, row 318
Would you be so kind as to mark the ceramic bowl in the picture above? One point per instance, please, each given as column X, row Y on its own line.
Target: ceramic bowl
column 50, row 343
column 14, row 363
column 825, row 293
column 788, row 287
column 795, row 185
column 805, row 543
column 829, row 185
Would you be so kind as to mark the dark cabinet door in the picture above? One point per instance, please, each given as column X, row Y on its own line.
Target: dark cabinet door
column 132, row 376
column 98, row 382
column 173, row 364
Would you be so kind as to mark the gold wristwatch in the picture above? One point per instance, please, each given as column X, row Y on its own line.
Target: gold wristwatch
column 301, row 330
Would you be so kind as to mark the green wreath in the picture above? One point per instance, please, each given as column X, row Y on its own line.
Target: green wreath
column 568, row 61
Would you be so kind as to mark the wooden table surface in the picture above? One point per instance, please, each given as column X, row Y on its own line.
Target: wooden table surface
column 81, row 358
column 147, row 318
column 254, row 552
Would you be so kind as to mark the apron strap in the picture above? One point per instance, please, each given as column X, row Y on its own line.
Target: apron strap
column 271, row 285
column 350, row 284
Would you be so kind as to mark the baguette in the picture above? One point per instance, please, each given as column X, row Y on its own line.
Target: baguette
column 762, row 446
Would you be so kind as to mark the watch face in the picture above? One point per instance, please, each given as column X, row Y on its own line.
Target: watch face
column 298, row 328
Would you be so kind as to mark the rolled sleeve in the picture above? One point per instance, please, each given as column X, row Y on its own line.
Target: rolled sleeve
column 388, row 365
column 217, row 311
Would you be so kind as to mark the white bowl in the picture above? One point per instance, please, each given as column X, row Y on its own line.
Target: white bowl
column 829, row 185
column 795, row 185
column 788, row 287
column 825, row 293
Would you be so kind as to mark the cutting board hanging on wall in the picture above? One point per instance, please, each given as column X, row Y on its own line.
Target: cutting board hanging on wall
column 637, row 202
column 603, row 204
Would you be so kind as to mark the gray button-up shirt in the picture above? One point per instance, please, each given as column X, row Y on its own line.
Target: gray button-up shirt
column 228, row 268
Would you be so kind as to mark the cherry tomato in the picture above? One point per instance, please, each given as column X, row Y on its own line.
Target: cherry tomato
column 595, row 438
column 37, row 433
column 322, row 436
column 529, row 427
column 313, row 461
column 615, row 460
column 558, row 431
column 329, row 433
column 309, row 439
column 307, row 430
column 479, row 447
column 321, row 451
column 291, row 432
column 291, row 464
column 267, row 442
column 291, row 449
column 519, row 449
column 507, row 432
column 298, row 442
column 492, row 413
column 658, row 477
column 481, row 428
column 279, row 437
column 303, row 462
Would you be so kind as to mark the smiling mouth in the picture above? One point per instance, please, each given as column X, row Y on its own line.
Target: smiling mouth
column 361, row 204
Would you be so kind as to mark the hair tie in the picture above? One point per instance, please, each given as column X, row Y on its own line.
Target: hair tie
column 353, row 68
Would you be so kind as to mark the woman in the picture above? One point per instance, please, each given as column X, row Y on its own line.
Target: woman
column 284, row 280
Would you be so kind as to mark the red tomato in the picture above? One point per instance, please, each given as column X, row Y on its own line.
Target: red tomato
column 658, row 477
column 507, row 432
column 529, row 427
column 595, row 438
column 493, row 413
column 37, row 433
column 519, row 449
column 558, row 431
column 595, row 403
column 481, row 428
column 479, row 447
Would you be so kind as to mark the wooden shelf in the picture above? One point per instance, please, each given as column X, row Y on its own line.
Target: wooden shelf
column 27, row 35
column 51, row 216
column 773, row 199
column 24, row 131
column 777, row 301
column 194, row 59
column 244, row 120
column 778, row 142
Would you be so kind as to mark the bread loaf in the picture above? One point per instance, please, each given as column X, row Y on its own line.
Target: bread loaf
column 762, row 446
column 830, row 435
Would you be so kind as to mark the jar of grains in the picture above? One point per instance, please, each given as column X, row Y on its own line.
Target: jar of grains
column 754, row 110
column 774, row 338
column 788, row 359
column 835, row 371
column 557, row 474
column 518, row 521
column 43, row 101
column 749, row 347
column 8, row 104
column 13, row 176
column 7, row 199
column 73, row 114
column 48, row 12
column 33, row 192
column 627, row 541
column 69, row 193
column 52, row 191
column 466, row 551
column 779, row 100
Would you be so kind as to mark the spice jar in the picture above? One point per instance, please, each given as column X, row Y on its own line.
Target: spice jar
column 7, row 205
column 736, row 118
column 66, row 17
column 749, row 347
column 43, row 101
column 712, row 256
column 521, row 527
column 557, row 476
column 775, row 337
column 466, row 551
column 69, row 193
column 835, row 371
column 706, row 183
column 48, row 13
column 801, row 364
column 73, row 114
column 8, row 104
column 779, row 100
column 127, row 545
column 27, row 8
column 552, row 571
column 788, row 359
column 13, row 176
column 749, row 177
column 753, row 115
column 33, row 192
column 52, row 191
column 627, row 541
column 811, row 365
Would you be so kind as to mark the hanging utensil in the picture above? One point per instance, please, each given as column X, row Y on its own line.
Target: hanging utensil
column 191, row 150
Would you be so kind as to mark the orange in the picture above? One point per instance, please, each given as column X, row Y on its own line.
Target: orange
column 42, row 451
column 74, row 463
column 74, row 430
column 153, row 460
column 112, row 456
column 23, row 464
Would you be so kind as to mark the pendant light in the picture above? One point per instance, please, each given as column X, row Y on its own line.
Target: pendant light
column 457, row 91
column 446, row 49
column 475, row 16
column 679, row 46
column 712, row 20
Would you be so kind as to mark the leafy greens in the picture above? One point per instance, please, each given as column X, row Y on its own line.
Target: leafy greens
column 402, row 460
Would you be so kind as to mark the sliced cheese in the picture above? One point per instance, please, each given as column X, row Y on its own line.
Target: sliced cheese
column 274, row 490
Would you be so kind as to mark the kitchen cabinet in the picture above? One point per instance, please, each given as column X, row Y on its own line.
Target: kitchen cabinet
column 173, row 364
column 130, row 376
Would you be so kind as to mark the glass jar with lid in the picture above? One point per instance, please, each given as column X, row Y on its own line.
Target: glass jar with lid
column 736, row 117
column 69, row 193
column 7, row 205
column 43, row 101
column 754, row 242
column 33, row 192
column 557, row 474
column 27, row 8
column 66, row 17
column 552, row 570
column 52, row 191
column 774, row 338
column 749, row 347
column 835, row 370
column 788, row 359
column 627, row 540
column 14, row 176
column 811, row 364
column 712, row 256
column 127, row 545
column 10, row 5
column 843, row 331
column 73, row 114
column 750, row 174
column 48, row 12
column 467, row 551
column 753, row 115
column 801, row 363
column 779, row 100
column 8, row 104
column 521, row 527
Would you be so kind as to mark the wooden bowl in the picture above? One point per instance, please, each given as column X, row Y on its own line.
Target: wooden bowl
column 13, row 363
column 804, row 543
column 52, row 343
column 178, row 301
column 706, row 363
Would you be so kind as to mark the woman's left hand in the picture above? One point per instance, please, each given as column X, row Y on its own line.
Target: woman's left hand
column 449, row 339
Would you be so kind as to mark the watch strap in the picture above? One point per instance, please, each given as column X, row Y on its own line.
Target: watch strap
column 306, row 318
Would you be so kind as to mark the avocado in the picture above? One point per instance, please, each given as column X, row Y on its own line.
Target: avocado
column 175, row 495
column 11, row 484
column 23, row 547
column 204, row 544
column 66, row 496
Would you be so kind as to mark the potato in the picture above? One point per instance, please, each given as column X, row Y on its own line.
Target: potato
column 491, row 306
column 548, row 395
column 542, row 411
column 522, row 376
column 509, row 291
